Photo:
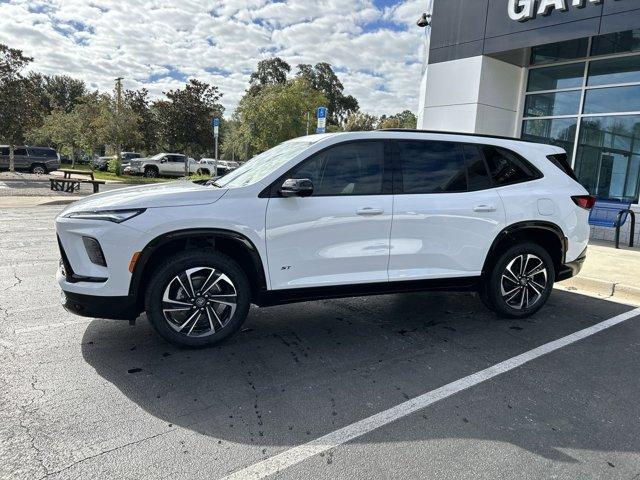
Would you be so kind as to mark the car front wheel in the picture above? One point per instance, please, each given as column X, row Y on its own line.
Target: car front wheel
column 520, row 282
column 196, row 299
column 151, row 172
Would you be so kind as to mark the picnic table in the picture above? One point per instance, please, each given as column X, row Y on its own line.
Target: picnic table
column 69, row 184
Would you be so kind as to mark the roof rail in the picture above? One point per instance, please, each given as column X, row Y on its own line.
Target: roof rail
column 442, row 132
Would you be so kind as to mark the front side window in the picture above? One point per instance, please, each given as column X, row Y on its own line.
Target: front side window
column 432, row 167
column 506, row 168
column 20, row 151
column 355, row 168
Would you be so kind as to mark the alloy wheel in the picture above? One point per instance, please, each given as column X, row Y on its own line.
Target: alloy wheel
column 38, row 170
column 199, row 302
column 523, row 281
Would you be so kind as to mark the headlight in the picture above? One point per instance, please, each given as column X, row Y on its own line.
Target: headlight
column 116, row 216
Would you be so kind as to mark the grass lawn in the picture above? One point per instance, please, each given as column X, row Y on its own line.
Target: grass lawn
column 132, row 179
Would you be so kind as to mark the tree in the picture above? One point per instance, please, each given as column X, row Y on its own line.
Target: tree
column 272, row 71
column 17, row 100
column 322, row 77
column 405, row 119
column 360, row 121
column 184, row 118
column 138, row 102
column 276, row 114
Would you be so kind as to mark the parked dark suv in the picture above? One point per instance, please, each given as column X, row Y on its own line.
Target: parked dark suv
column 34, row 159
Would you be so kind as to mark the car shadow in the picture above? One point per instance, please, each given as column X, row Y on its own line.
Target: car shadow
column 297, row 372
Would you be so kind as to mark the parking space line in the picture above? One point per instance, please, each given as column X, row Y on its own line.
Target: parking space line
column 293, row 456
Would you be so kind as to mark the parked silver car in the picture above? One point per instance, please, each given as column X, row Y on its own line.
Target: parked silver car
column 38, row 160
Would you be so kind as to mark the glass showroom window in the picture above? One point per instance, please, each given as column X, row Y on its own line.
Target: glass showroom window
column 590, row 106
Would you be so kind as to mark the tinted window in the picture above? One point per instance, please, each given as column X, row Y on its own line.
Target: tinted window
column 349, row 169
column 506, row 168
column 628, row 41
column 616, row 99
column 176, row 158
column 432, row 167
column 4, row 151
column 477, row 174
column 42, row 152
column 552, row 104
column 560, row 160
column 554, row 52
column 556, row 77
column 20, row 151
column 614, row 70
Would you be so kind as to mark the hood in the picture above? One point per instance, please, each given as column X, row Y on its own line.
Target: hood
column 171, row 194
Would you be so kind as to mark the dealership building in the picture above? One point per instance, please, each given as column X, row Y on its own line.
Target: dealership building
column 565, row 72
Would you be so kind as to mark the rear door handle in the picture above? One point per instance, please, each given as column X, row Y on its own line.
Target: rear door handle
column 369, row 211
column 484, row 208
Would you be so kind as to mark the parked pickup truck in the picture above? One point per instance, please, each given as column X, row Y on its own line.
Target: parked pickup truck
column 161, row 165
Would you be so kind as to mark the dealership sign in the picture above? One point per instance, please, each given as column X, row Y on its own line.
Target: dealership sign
column 523, row 10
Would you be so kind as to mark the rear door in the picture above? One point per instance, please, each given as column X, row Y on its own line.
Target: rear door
column 446, row 212
column 175, row 164
column 21, row 159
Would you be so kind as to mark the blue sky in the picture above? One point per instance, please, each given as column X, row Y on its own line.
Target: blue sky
column 373, row 44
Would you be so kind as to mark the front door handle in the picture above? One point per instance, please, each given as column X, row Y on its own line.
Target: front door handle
column 369, row 211
column 484, row 208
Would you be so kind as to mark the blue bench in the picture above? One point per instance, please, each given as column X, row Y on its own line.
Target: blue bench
column 613, row 214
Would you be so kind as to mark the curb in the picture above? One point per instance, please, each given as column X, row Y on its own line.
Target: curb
column 603, row 288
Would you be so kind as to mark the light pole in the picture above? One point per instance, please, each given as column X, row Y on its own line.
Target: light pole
column 118, row 124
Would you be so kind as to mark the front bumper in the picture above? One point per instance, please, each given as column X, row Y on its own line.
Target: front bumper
column 571, row 269
column 117, row 308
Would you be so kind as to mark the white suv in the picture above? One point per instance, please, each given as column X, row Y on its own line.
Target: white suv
column 328, row 216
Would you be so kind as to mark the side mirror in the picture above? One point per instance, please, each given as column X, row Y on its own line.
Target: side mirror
column 296, row 187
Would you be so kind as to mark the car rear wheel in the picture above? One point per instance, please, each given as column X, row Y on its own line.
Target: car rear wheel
column 520, row 282
column 151, row 172
column 197, row 299
column 38, row 169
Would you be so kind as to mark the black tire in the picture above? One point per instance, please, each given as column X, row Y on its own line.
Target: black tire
column 150, row 172
column 162, row 281
column 38, row 169
column 509, row 298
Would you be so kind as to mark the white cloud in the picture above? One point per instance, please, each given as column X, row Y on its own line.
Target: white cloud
column 157, row 43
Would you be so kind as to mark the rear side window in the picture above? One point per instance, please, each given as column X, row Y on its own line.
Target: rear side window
column 20, row 151
column 4, row 151
column 42, row 152
column 432, row 167
column 477, row 174
column 507, row 168
column 561, row 161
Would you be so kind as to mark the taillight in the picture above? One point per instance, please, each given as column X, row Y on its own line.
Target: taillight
column 584, row 201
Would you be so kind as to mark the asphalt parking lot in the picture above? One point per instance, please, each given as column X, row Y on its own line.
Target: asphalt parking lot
column 85, row 398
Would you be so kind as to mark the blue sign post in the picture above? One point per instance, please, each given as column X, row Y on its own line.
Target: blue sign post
column 216, row 128
column 321, row 113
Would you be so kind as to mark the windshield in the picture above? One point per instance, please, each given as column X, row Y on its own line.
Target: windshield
column 262, row 165
column 158, row 156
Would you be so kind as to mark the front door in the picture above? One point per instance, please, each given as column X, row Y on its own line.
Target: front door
column 446, row 211
column 340, row 234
